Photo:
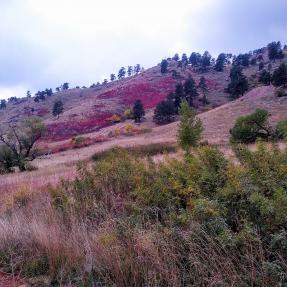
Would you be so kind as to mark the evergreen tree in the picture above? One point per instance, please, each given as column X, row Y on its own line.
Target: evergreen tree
column 163, row 66
column 204, row 90
column 28, row 94
column 190, row 90
column 220, row 62
column 112, row 77
column 49, row 92
column 3, row 104
column 279, row 77
column 195, row 59
column 122, row 73
column 265, row 77
column 205, row 61
column 275, row 51
column 65, row 86
column 190, row 128
column 242, row 60
column 138, row 111
column 58, row 108
column 239, row 84
column 184, row 60
column 164, row 112
column 130, row 70
column 175, row 57
column 178, row 96
column 137, row 68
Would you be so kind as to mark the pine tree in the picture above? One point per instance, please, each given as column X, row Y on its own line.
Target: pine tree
column 241, row 60
column 190, row 128
column 112, row 77
column 164, row 112
column 265, row 77
column 204, row 90
column 205, row 61
column 122, row 73
column 28, row 94
column 2, row 104
column 239, row 84
column 65, row 86
column 184, row 60
column 190, row 90
column 137, row 68
column 58, row 108
column 163, row 66
column 178, row 96
column 220, row 62
column 130, row 70
column 275, row 51
column 279, row 77
column 138, row 111
column 175, row 57
column 195, row 59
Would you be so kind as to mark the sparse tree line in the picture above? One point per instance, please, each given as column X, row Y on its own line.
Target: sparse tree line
column 42, row 95
column 205, row 61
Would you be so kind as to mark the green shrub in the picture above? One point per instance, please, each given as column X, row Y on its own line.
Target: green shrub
column 251, row 127
column 281, row 130
column 129, row 222
column 6, row 159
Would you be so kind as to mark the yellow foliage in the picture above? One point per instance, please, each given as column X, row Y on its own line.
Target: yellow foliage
column 115, row 118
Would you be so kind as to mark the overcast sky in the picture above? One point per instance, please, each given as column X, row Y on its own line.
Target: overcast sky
column 44, row 43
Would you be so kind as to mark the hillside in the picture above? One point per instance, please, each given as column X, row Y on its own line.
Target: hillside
column 89, row 109
column 82, row 212
column 216, row 122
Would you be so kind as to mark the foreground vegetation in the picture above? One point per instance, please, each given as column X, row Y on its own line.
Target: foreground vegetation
column 201, row 221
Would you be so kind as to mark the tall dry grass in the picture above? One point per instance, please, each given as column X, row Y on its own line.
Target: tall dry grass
column 123, row 222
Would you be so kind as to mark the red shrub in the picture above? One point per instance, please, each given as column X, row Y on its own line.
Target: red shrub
column 149, row 91
column 63, row 130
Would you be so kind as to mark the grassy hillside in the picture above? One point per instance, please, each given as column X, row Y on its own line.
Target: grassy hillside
column 122, row 205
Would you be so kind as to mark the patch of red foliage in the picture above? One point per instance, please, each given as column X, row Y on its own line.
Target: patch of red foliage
column 149, row 92
column 63, row 130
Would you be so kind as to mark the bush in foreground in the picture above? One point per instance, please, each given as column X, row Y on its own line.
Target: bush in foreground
column 201, row 221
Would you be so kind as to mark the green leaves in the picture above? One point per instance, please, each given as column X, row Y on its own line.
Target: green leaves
column 190, row 128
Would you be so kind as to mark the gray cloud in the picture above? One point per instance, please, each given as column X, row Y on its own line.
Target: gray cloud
column 46, row 42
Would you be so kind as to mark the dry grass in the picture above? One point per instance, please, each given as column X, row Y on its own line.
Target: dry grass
column 12, row 185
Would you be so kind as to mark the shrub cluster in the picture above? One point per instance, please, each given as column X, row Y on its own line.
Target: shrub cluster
column 201, row 221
